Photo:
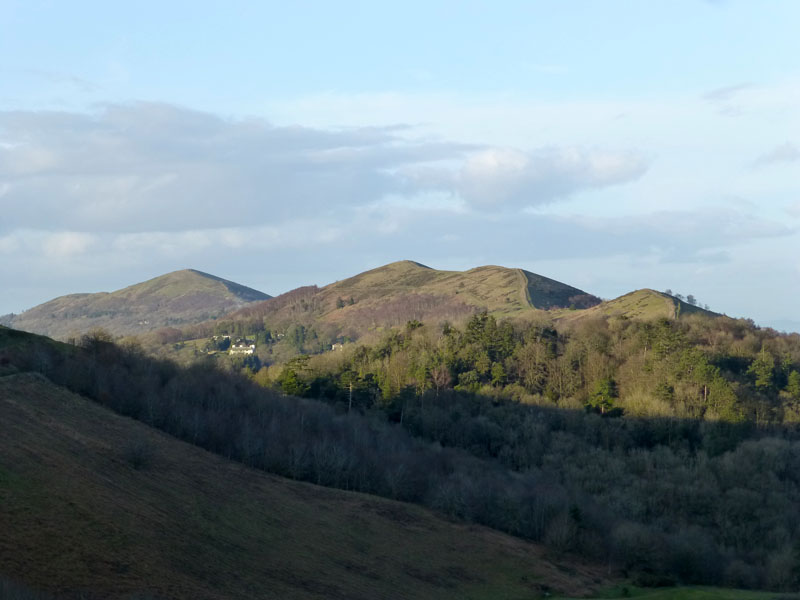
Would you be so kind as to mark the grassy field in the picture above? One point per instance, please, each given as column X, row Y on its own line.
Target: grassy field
column 96, row 504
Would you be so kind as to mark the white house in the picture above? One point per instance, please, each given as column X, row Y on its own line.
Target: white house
column 242, row 348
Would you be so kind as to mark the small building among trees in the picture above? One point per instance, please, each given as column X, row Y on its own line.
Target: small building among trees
column 242, row 347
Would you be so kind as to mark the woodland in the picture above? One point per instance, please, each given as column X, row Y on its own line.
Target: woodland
column 667, row 449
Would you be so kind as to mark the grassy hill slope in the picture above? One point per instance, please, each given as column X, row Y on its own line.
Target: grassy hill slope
column 498, row 289
column 176, row 298
column 401, row 291
column 640, row 304
column 95, row 503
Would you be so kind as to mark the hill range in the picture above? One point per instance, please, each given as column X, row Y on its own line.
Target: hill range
column 387, row 296
column 403, row 291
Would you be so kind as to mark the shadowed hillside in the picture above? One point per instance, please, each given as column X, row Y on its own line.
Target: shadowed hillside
column 176, row 298
column 690, row 593
column 99, row 504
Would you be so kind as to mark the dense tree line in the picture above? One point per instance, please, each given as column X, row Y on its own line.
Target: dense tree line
column 696, row 367
column 665, row 499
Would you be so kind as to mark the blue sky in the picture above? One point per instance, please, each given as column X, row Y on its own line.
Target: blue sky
column 610, row 145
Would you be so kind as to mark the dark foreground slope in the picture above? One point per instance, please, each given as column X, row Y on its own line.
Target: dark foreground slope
column 97, row 504
column 177, row 298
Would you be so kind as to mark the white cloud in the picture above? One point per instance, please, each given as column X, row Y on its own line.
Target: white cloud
column 67, row 245
column 783, row 153
column 49, row 245
column 728, row 92
column 150, row 166
column 161, row 243
column 142, row 167
column 794, row 209
column 503, row 177
column 697, row 236
column 185, row 244
column 9, row 244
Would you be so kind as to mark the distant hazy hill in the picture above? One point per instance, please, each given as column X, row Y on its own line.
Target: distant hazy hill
column 97, row 505
column 177, row 298
column 406, row 290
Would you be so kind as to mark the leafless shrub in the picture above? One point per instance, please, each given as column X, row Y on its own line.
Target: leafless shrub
column 139, row 454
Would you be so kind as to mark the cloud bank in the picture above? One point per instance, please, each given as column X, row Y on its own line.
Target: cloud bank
column 131, row 191
column 145, row 167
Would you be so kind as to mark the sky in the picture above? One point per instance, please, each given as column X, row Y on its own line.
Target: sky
column 611, row 145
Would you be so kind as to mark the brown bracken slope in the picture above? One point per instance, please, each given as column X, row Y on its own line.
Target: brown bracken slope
column 95, row 505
